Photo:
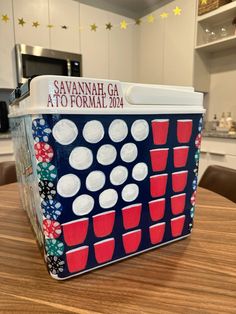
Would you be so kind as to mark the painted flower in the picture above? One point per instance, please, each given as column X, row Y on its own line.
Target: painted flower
column 40, row 130
column 46, row 171
column 193, row 198
column 198, row 140
column 54, row 247
column 47, row 190
column 51, row 228
column 55, row 264
column 197, row 156
column 51, row 209
column 200, row 125
column 192, row 212
column 194, row 184
column 43, row 152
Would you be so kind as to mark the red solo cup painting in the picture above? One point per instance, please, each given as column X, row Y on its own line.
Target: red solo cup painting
column 75, row 231
column 131, row 216
column 158, row 185
column 177, row 225
column 157, row 209
column 104, row 250
column 157, row 233
column 103, row 223
column 180, row 156
column 184, row 130
column 131, row 241
column 160, row 128
column 159, row 159
column 179, row 181
column 178, row 204
column 77, row 259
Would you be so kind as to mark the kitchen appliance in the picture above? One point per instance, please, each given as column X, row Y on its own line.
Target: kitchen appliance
column 4, row 122
column 107, row 169
column 33, row 61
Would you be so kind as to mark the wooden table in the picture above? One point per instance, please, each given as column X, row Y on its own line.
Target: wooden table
column 195, row 275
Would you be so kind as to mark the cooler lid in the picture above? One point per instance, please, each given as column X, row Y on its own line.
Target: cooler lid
column 50, row 94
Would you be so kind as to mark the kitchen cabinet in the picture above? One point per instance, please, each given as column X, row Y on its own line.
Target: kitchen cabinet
column 30, row 12
column 216, row 151
column 64, row 18
column 6, row 150
column 150, row 50
column 122, row 53
column 94, row 44
column 166, row 46
column 179, row 44
column 7, row 52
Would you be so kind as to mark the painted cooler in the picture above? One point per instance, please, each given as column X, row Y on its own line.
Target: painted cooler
column 107, row 170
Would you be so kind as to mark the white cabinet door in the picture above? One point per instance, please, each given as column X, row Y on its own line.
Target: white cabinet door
column 179, row 43
column 6, row 150
column 219, row 151
column 28, row 14
column 151, row 50
column 94, row 44
column 7, row 52
column 64, row 18
column 121, row 49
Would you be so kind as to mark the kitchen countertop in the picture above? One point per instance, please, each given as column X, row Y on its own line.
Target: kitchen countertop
column 5, row 135
column 195, row 275
column 216, row 134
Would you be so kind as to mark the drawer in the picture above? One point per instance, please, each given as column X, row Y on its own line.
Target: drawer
column 6, row 147
column 220, row 147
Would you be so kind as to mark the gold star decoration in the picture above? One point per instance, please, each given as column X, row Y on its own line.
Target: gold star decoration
column 203, row 2
column 177, row 11
column 50, row 26
column 109, row 26
column 35, row 24
column 138, row 22
column 64, row 27
column 5, row 18
column 164, row 15
column 21, row 21
column 150, row 18
column 123, row 24
column 93, row 27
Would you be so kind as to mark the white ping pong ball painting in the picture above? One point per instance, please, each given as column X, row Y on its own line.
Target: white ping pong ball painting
column 81, row 158
column 95, row 181
column 118, row 175
column 93, row 132
column 118, row 130
column 130, row 192
column 68, row 185
column 129, row 152
column 108, row 198
column 140, row 130
column 65, row 132
column 140, row 171
column 83, row 205
column 106, row 154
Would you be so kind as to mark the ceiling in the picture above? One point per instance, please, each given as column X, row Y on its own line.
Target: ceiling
column 129, row 8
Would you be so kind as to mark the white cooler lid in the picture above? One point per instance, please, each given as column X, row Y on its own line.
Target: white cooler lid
column 51, row 94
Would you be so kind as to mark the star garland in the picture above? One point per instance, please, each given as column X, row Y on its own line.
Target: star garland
column 123, row 25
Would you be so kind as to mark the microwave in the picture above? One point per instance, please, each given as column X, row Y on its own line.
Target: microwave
column 33, row 61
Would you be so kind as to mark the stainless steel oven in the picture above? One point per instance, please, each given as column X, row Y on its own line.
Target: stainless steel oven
column 32, row 61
